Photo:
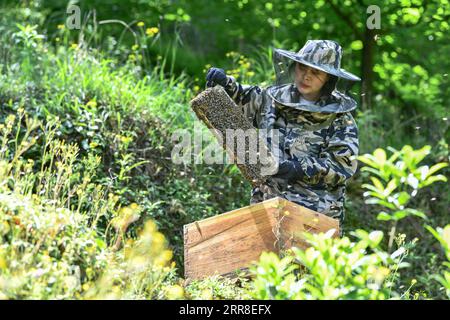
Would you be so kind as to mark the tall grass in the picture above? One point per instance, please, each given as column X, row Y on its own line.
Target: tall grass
column 50, row 249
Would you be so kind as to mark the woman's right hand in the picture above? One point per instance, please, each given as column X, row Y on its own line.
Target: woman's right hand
column 216, row 76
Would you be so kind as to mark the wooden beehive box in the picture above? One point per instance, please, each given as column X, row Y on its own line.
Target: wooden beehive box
column 234, row 240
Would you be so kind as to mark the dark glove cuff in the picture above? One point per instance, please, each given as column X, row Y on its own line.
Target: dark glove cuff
column 290, row 170
column 298, row 173
column 229, row 88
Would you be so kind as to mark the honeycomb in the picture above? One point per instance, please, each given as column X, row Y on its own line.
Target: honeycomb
column 218, row 111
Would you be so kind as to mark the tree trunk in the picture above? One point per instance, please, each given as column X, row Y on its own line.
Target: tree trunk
column 367, row 68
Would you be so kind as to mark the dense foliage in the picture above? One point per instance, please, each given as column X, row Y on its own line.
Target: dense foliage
column 91, row 205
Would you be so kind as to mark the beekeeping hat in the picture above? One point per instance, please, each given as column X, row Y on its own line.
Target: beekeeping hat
column 324, row 55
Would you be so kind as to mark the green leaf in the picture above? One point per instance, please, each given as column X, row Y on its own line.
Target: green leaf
column 382, row 203
column 369, row 187
column 435, row 233
column 375, row 238
column 434, row 179
column 356, row 45
column 391, row 186
column 100, row 243
column 369, row 160
column 374, row 171
column 170, row 16
column 375, row 194
column 437, row 167
column 411, row 15
column 418, row 155
column 416, row 213
column 403, row 198
column 422, row 172
column 446, row 235
column 398, row 252
column 377, row 183
column 394, row 156
column 442, row 235
column 383, row 216
column 412, row 181
column 380, row 156
column 398, row 215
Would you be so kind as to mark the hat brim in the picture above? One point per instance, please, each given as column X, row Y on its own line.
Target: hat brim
column 341, row 73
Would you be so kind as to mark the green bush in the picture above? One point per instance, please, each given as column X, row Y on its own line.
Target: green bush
column 50, row 246
column 218, row 288
column 443, row 235
column 107, row 99
column 397, row 180
column 330, row 269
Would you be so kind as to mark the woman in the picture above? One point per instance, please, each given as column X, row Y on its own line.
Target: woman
column 318, row 141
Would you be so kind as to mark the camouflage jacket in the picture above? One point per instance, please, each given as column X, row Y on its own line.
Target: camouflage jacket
column 323, row 137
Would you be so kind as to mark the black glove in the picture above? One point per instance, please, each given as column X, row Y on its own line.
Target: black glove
column 290, row 170
column 216, row 76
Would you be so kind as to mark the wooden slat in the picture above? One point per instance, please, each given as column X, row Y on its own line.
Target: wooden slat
column 227, row 242
column 299, row 220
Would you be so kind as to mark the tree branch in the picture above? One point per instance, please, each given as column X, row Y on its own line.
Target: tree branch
column 346, row 18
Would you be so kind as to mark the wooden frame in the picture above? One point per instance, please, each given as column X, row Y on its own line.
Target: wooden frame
column 234, row 240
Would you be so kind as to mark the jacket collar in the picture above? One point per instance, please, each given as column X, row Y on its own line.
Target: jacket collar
column 288, row 95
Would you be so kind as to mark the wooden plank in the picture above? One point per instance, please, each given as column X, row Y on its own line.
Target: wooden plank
column 227, row 242
column 299, row 220
column 234, row 240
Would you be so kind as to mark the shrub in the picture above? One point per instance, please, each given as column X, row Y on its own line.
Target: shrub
column 217, row 287
column 330, row 269
column 397, row 180
column 443, row 235
column 50, row 244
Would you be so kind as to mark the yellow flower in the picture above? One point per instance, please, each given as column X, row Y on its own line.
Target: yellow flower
column 167, row 255
column 3, row 264
column 175, row 292
column 151, row 31
column 93, row 145
column 91, row 104
column 125, row 139
column 135, row 47
column 206, row 294
column 60, row 26
column 74, row 45
column 134, row 206
column 140, row 24
column 125, row 217
column 379, row 274
column 158, row 241
column 150, row 226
